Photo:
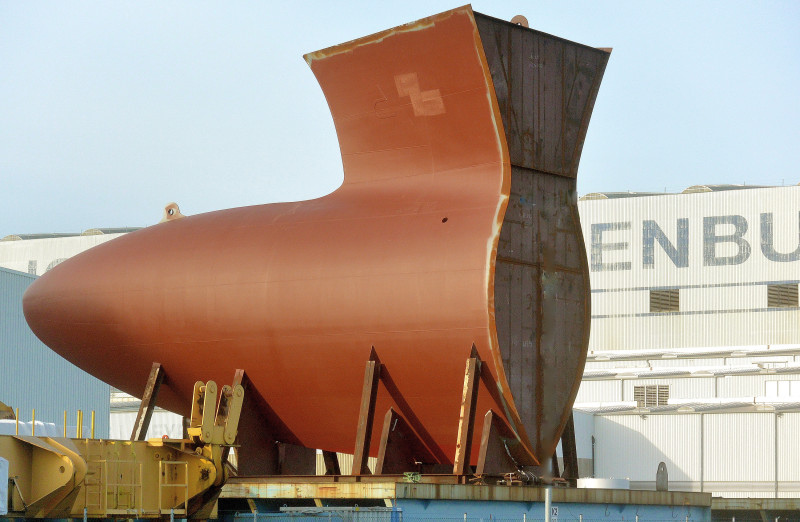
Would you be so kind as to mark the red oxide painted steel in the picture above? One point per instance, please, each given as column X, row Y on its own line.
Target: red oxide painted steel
column 401, row 257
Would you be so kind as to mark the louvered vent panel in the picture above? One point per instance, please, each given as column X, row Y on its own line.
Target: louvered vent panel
column 663, row 394
column 638, row 396
column 782, row 296
column 664, row 300
column 651, row 395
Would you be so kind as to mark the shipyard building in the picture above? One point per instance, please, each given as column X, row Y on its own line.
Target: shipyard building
column 694, row 355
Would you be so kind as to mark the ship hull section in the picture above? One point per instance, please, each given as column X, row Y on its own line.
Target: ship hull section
column 402, row 259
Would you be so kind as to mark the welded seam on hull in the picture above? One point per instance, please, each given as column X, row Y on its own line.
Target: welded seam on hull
column 352, row 45
column 509, row 407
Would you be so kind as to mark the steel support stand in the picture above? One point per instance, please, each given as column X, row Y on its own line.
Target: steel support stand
column 331, row 463
column 366, row 415
column 554, row 468
column 466, row 420
column 148, row 403
column 570, row 452
column 401, row 450
column 493, row 457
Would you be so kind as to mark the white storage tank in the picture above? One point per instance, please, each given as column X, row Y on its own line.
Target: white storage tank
column 604, row 483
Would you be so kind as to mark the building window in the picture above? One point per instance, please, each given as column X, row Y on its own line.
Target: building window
column 664, row 300
column 651, row 395
column 782, row 296
column 782, row 388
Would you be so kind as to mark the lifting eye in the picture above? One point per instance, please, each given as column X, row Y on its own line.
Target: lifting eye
column 171, row 212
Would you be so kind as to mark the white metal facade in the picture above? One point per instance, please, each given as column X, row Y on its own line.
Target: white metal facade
column 37, row 256
column 33, row 377
column 727, row 454
column 722, row 249
column 731, row 407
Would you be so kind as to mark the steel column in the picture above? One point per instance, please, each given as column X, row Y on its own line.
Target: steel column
column 466, row 421
column 366, row 415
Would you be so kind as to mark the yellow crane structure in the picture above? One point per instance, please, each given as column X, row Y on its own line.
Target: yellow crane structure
column 55, row 477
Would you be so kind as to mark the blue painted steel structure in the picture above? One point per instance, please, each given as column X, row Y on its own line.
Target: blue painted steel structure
column 413, row 510
column 486, row 510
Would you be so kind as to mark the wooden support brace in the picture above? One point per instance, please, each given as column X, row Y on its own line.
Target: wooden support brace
column 569, row 451
column 366, row 415
column 148, row 403
column 401, row 450
column 466, row 420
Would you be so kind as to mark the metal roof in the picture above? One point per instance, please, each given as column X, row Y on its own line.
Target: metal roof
column 17, row 273
column 686, row 371
column 694, row 353
column 87, row 232
column 22, row 237
column 619, row 195
column 719, row 188
column 694, row 189
column 736, row 405
column 101, row 231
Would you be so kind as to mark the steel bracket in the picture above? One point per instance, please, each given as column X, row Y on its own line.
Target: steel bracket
column 401, row 449
column 466, row 420
column 148, row 403
column 366, row 414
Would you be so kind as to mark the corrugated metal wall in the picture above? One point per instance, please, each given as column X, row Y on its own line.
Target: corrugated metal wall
column 584, row 435
column 678, row 331
column 728, row 454
column 740, row 361
column 37, row 256
column 751, row 385
column 698, row 387
column 599, row 365
column 631, row 446
column 655, row 361
column 599, row 391
column 739, row 453
column 584, row 430
column 345, row 463
column 732, row 386
column 680, row 363
column 33, row 376
column 789, row 456
column 161, row 423
column 734, row 242
column 690, row 388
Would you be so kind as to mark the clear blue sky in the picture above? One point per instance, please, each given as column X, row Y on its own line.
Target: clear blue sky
column 110, row 110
